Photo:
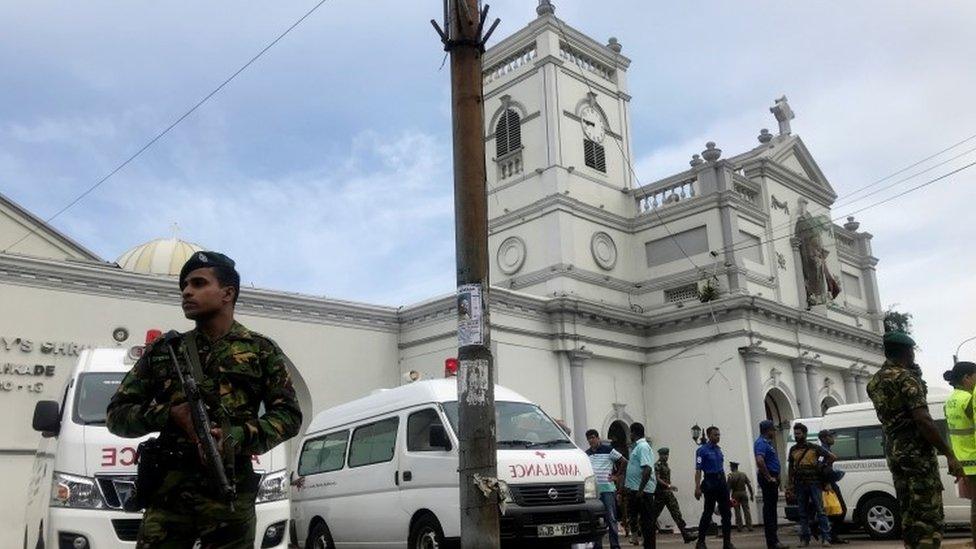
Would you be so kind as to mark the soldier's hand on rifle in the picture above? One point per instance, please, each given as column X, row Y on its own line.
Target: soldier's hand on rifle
column 180, row 414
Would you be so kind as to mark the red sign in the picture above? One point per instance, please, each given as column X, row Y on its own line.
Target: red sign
column 543, row 470
column 114, row 457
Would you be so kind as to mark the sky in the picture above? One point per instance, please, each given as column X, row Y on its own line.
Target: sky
column 325, row 168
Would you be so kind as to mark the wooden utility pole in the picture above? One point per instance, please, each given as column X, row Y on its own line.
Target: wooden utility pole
column 463, row 39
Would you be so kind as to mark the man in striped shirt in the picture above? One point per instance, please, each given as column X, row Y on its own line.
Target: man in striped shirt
column 605, row 460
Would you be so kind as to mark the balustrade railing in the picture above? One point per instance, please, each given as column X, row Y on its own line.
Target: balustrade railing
column 749, row 194
column 585, row 62
column 509, row 165
column 510, row 64
column 654, row 197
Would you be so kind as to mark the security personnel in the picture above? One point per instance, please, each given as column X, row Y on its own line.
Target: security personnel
column 910, row 442
column 664, row 494
column 962, row 431
column 240, row 371
column 741, row 488
column 710, row 482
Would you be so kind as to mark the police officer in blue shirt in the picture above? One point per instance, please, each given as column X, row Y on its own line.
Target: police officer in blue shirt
column 767, row 463
column 710, row 481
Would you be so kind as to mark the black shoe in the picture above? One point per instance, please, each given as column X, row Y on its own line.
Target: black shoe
column 688, row 538
column 701, row 544
column 838, row 541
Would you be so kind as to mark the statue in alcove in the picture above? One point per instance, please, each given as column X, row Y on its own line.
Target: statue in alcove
column 821, row 286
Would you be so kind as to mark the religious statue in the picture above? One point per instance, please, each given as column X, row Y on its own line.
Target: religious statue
column 821, row 286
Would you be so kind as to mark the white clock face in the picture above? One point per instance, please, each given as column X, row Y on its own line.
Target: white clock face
column 592, row 124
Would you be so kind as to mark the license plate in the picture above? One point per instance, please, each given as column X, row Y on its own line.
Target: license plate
column 556, row 530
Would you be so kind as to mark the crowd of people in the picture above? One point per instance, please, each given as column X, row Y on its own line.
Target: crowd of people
column 635, row 489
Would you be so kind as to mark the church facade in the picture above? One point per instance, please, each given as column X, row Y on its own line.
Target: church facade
column 723, row 294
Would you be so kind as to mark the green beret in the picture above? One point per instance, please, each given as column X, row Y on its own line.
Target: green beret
column 200, row 260
column 898, row 338
column 664, row 450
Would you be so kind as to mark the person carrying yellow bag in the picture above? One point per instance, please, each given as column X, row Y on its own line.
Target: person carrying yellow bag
column 962, row 429
column 831, row 503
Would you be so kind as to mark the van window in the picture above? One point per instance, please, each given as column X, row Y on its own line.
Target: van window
column 373, row 443
column 845, row 444
column 323, row 454
column 519, row 425
column 418, row 431
column 870, row 443
column 93, row 394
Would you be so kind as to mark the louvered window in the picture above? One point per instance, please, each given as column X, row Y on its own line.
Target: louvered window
column 594, row 155
column 508, row 133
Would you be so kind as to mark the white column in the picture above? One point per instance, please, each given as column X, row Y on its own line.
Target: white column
column 862, row 387
column 802, row 390
column 578, row 387
column 754, row 392
column 850, row 388
column 813, row 384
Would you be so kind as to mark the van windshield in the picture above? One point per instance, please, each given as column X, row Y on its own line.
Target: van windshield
column 519, row 425
column 94, row 392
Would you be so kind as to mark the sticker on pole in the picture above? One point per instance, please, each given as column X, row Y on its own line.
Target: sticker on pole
column 473, row 380
column 471, row 319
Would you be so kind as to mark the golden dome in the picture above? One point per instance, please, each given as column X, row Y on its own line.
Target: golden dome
column 163, row 256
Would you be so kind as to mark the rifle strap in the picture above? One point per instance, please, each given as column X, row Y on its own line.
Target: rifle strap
column 190, row 340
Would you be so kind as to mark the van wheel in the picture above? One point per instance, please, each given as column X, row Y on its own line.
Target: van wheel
column 320, row 537
column 879, row 517
column 426, row 533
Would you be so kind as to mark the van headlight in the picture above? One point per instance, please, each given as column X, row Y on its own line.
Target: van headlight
column 589, row 488
column 75, row 492
column 273, row 487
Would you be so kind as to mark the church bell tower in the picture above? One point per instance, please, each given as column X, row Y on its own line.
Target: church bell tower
column 558, row 155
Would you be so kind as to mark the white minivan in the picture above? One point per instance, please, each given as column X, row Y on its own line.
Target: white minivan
column 867, row 488
column 83, row 474
column 382, row 471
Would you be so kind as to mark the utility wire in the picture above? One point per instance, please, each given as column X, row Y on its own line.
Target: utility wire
column 630, row 166
column 175, row 123
column 843, row 200
column 878, row 203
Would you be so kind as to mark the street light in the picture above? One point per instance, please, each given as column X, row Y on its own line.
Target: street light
column 955, row 357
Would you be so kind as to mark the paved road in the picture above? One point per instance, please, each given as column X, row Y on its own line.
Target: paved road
column 755, row 540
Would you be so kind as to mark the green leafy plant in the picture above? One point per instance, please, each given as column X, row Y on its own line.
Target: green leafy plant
column 707, row 291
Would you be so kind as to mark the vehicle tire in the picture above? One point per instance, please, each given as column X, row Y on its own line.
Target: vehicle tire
column 426, row 534
column 879, row 517
column 319, row 537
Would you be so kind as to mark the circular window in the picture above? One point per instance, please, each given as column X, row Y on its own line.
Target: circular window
column 604, row 251
column 511, row 255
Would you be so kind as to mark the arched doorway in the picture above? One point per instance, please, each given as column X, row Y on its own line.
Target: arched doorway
column 827, row 403
column 780, row 411
column 617, row 435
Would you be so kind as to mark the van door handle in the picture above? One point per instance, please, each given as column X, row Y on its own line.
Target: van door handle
column 407, row 476
column 396, row 477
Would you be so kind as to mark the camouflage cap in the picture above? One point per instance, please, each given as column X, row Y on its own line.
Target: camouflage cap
column 898, row 338
column 200, row 260
column 664, row 450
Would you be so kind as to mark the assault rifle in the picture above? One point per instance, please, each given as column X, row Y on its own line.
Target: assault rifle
column 198, row 412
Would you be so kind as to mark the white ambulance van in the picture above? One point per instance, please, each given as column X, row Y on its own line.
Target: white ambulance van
column 382, row 471
column 867, row 488
column 83, row 474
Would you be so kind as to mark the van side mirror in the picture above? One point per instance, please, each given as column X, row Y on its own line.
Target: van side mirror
column 47, row 420
column 437, row 438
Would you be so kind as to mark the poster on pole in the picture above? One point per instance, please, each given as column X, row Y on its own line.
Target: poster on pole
column 470, row 311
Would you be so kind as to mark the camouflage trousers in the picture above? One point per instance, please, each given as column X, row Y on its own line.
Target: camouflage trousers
column 180, row 515
column 667, row 499
column 919, row 491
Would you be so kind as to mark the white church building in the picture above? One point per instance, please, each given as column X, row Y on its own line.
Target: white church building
column 722, row 294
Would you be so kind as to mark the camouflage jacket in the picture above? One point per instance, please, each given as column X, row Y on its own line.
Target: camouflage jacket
column 895, row 392
column 663, row 472
column 242, row 370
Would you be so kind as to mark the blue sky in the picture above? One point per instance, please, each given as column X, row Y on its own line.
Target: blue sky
column 325, row 168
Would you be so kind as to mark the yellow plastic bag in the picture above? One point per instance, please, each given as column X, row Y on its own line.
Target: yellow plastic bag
column 831, row 504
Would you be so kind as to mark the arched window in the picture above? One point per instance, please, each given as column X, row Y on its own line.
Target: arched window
column 508, row 133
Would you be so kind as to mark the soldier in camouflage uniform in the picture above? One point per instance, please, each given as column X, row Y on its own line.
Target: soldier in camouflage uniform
column 911, row 441
column 664, row 495
column 241, row 370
